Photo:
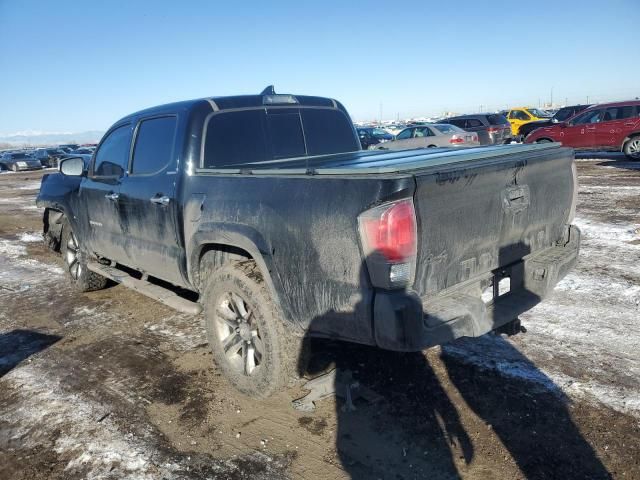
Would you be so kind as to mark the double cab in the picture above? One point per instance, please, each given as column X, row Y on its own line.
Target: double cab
column 268, row 211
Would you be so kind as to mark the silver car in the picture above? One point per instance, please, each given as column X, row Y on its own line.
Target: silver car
column 430, row 136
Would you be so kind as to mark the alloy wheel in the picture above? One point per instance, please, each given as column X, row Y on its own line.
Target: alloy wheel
column 634, row 148
column 239, row 334
column 72, row 257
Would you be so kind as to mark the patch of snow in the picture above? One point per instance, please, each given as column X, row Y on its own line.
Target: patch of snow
column 30, row 186
column 12, row 249
column 97, row 450
column 31, row 237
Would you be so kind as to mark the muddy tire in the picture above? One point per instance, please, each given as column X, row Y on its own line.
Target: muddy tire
column 250, row 342
column 632, row 148
column 75, row 261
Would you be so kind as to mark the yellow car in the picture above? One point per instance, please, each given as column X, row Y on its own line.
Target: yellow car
column 520, row 115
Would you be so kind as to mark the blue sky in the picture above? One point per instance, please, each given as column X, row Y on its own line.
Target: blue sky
column 81, row 65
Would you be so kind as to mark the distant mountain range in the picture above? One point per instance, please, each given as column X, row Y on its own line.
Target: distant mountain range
column 34, row 138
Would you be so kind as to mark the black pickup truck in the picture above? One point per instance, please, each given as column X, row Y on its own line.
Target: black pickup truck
column 267, row 209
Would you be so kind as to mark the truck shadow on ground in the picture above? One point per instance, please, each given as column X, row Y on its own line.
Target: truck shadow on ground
column 18, row 345
column 440, row 417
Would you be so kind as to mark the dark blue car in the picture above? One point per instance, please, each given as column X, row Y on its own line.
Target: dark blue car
column 372, row 136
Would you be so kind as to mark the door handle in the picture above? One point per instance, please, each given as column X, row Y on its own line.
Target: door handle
column 591, row 128
column 112, row 196
column 160, row 200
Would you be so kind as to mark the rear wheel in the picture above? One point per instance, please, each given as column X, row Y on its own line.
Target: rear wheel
column 82, row 279
column 250, row 342
column 632, row 148
column 431, row 146
column 543, row 140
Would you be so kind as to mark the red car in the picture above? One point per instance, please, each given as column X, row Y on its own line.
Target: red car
column 608, row 126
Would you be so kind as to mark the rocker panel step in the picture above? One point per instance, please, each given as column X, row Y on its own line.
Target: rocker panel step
column 144, row 287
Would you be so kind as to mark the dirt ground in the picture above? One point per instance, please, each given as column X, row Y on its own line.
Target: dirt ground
column 111, row 385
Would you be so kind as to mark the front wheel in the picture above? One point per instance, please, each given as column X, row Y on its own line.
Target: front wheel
column 543, row 140
column 250, row 342
column 632, row 148
column 82, row 279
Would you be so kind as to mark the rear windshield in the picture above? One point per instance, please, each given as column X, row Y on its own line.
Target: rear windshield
column 497, row 120
column 442, row 128
column 267, row 134
column 16, row 156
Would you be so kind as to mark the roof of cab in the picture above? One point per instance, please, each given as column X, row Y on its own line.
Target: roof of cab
column 237, row 101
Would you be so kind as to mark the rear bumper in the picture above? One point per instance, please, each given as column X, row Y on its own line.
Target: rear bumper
column 405, row 322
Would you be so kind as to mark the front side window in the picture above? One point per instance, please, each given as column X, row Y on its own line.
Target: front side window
column 153, row 149
column 113, row 154
column 592, row 116
column 519, row 115
column 403, row 135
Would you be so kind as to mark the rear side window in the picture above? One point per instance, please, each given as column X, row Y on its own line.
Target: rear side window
column 473, row 123
column 497, row 120
column 618, row 113
column 153, row 149
column 113, row 154
column 444, row 128
column 234, row 138
column 457, row 123
column 327, row 131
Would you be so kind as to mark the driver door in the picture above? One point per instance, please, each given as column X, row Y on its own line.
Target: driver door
column 581, row 131
column 517, row 118
column 99, row 194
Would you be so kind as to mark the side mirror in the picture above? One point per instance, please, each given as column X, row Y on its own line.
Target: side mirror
column 72, row 167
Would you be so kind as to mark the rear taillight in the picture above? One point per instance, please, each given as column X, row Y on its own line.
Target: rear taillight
column 456, row 139
column 390, row 241
column 495, row 129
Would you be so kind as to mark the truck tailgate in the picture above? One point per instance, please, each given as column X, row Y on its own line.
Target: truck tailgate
column 476, row 216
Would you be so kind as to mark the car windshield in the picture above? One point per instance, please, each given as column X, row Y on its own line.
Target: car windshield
column 446, row 128
column 536, row 112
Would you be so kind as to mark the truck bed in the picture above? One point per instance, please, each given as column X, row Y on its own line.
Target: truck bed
column 384, row 162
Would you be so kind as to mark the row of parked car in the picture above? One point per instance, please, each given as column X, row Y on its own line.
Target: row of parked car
column 604, row 127
column 31, row 159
